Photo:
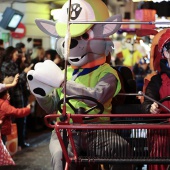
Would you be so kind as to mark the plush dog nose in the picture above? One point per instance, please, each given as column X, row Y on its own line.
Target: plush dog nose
column 73, row 43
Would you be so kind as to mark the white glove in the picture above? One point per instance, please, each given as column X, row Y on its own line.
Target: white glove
column 38, row 88
column 44, row 78
column 48, row 73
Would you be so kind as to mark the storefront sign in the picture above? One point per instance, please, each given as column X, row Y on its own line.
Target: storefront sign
column 19, row 32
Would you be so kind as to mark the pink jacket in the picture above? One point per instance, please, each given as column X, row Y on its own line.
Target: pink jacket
column 6, row 112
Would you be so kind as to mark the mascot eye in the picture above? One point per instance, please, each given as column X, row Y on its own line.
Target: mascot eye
column 85, row 36
column 88, row 35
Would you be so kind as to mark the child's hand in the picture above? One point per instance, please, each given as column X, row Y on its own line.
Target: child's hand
column 29, row 106
column 15, row 81
column 155, row 108
column 8, row 97
column 27, row 69
column 0, row 123
column 8, row 80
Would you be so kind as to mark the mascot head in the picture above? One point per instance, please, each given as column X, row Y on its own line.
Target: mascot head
column 90, row 43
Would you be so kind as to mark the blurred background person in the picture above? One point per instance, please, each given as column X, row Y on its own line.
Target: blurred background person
column 10, row 68
column 1, row 43
column 23, row 50
column 140, row 70
column 37, row 55
column 131, row 51
column 8, row 82
column 2, row 50
column 23, row 62
column 8, row 111
column 51, row 54
column 36, row 119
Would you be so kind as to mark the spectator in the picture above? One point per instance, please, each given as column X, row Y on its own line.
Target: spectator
column 10, row 68
column 37, row 55
column 1, row 43
column 37, row 121
column 22, row 64
column 9, row 82
column 140, row 70
column 54, row 56
column 130, row 54
column 158, row 88
column 7, row 111
column 22, row 50
column 2, row 50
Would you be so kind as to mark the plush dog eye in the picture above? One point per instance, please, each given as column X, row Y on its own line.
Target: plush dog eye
column 85, row 36
column 30, row 77
column 88, row 35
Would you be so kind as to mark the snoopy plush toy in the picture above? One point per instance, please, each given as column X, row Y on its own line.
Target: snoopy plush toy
column 88, row 73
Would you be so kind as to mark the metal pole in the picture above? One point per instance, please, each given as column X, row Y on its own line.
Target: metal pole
column 118, row 22
column 66, row 55
column 140, row 93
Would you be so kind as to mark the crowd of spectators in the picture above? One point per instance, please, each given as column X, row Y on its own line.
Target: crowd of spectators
column 24, row 110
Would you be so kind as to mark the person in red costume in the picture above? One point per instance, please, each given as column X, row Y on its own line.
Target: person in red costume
column 157, row 89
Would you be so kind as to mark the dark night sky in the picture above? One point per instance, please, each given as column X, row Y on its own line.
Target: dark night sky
column 163, row 8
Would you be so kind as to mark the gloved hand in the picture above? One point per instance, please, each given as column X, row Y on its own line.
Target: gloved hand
column 44, row 78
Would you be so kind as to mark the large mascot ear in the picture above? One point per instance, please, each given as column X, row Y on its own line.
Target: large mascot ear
column 47, row 26
column 107, row 29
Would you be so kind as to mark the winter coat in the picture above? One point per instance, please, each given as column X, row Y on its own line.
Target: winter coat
column 154, row 86
column 16, row 93
column 6, row 113
column 158, row 89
